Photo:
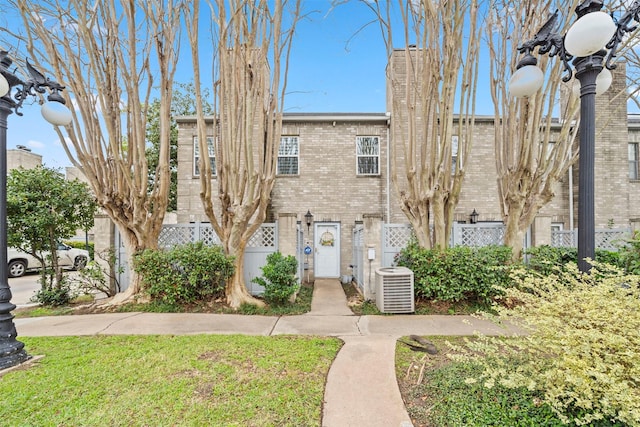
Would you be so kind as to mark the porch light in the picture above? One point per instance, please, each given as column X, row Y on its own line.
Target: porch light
column 309, row 219
column 473, row 218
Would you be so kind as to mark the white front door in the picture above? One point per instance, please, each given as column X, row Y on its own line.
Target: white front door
column 327, row 250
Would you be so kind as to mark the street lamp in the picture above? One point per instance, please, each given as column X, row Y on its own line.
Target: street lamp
column 11, row 350
column 591, row 42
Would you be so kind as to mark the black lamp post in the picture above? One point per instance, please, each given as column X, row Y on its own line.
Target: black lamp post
column 585, row 44
column 12, row 351
column 309, row 219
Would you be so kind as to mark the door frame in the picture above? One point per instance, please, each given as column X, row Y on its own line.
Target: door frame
column 316, row 244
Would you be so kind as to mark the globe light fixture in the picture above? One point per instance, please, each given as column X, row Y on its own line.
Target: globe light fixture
column 13, row 92
column 603, row 82
column 589, row 34
column 587, row 50
column 526, row 81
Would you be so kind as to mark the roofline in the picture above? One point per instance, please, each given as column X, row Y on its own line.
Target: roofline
column 633, row 120
column 312, row 117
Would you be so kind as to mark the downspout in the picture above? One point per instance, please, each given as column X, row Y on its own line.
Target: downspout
column 388, row 183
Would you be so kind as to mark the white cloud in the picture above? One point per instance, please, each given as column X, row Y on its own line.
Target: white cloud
column 35, row 144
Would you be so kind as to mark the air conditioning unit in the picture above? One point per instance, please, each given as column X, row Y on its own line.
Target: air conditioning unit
column 394, row 290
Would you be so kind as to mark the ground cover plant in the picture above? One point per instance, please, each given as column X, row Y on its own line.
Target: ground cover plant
column 436, row 394
column 581, row 351
column 169, row 381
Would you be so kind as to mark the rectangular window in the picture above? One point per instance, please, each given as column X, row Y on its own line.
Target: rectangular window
column 288, row 155
column 196, row 155
column 454, row 153
column 368, row 155
column 634, row 161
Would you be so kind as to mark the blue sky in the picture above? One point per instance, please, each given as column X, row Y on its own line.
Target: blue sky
column 332, row 69
column 337, row 65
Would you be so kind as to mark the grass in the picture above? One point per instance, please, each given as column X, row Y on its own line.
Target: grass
column 440, row 396
column 300, row 306
column 169, row 381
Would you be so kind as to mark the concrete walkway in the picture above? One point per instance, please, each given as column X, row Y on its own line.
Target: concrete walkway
column 361, row 386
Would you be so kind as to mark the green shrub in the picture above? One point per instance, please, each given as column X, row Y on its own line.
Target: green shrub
column 545, row 259
column 82, row 245
column 581, row 346
column 184, row 274
column 278, row 278
column 54, row 295
column 630, row 254
column 459, row 273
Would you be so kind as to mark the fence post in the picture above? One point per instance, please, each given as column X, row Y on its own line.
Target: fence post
column 372, row 241
column 541, row 231
column 287, row 233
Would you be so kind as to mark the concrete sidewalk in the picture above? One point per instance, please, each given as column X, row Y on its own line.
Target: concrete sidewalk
column 361, row 386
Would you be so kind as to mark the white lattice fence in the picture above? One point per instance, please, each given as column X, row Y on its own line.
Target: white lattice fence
column 609, row 239
column 395, row 237
column 263, row 242
column 477, row 235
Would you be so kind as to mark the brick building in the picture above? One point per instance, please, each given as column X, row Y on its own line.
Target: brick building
column 335, row 166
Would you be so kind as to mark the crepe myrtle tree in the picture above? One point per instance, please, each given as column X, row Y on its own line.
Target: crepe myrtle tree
column 112, row 56
column 433, row 80
column 43, row 208
column 252, row 40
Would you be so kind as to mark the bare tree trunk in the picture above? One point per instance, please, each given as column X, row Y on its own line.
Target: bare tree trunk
column 251, row 53
column 112, row 55
column 530, row 157
column 432, row 77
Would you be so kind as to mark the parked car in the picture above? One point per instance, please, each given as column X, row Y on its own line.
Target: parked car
column 68, row 258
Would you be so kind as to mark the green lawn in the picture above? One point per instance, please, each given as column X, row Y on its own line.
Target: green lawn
column 169, row 381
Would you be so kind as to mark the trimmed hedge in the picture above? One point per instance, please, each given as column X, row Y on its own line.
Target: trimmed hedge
column 184, row 274
column 547, row 259
column 458, row 273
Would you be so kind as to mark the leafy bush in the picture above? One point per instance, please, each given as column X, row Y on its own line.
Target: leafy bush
column 54, row 294
column 545, row 259
column 184, row 274
column 99, row 276
column 581, row 349
column 630, row 254
column 278, row 278
column 459, row 273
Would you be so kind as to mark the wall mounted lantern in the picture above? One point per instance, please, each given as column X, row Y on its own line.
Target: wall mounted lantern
column 473, row 218
column 309, row 219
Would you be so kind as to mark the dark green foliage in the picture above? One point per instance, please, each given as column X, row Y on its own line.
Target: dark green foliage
column 278, row 278
column 184, row 274
column 452, row 402
column 44, row 208
column 182, row 104
column 630, row 255
column 54, row 296
column 546, row 259
column 457, row 274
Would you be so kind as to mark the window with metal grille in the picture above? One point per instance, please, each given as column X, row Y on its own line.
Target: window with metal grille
column 288, row 155
column 368, row 155
column 634, row 161
column 196, row 155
